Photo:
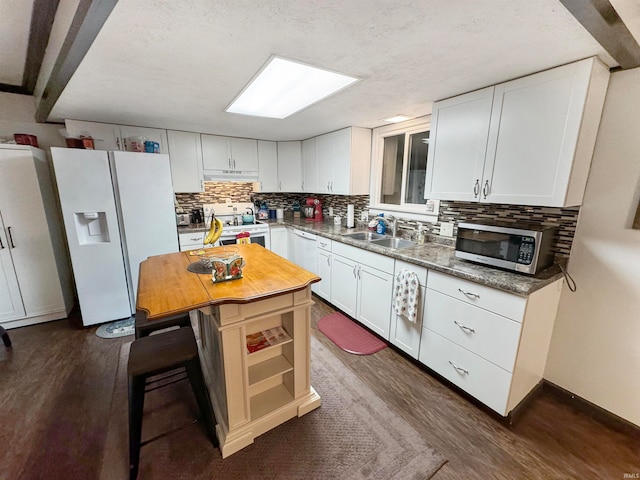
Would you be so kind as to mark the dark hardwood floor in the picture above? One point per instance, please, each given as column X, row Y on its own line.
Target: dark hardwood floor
column 57, row 382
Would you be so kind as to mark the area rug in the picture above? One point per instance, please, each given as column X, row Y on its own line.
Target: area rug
column 119, row 328
column 353, row 435
column 348, row 335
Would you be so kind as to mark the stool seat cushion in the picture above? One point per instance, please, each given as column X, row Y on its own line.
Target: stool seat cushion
column 159, row 352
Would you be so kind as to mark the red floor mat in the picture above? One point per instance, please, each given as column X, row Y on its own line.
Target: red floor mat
column 348, row 335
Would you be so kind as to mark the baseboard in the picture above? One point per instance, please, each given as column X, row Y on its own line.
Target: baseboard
column 594, row 411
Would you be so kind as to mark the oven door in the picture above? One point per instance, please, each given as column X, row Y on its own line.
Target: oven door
column 261, row 238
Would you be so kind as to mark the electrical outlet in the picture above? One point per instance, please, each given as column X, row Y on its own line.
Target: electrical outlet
column 331, row 211
column 446, row 229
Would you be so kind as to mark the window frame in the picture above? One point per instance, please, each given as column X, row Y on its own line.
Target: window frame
column 414, row 211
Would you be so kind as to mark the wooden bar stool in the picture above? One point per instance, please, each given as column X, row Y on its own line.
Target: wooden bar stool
column 144, row 327
column 153, row 355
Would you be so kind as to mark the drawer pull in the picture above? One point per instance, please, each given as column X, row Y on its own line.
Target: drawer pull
column 469, row 294
column 459, row 369
column 195, row 238
column 464, row 327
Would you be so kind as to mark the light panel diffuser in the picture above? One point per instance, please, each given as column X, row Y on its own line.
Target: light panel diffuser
column 284, row 87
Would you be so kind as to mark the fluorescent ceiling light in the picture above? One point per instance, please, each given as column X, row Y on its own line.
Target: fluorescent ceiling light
column 397, row 119
column 284, row 87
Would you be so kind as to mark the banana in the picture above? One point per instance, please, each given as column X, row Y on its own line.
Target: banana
column 215, row 230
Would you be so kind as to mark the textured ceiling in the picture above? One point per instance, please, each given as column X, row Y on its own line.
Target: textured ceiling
column 177, row 65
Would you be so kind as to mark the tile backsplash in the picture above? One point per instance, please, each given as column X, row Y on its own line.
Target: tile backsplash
column 455, row 212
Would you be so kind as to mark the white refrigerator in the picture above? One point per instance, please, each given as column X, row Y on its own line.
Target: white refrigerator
column 118, row 209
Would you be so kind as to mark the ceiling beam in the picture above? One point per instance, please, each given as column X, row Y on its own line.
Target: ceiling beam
column 602, row 21
column 87, row 23
column 42, row 17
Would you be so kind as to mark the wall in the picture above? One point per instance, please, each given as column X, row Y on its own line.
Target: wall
column 595, row 349
column 17, row 115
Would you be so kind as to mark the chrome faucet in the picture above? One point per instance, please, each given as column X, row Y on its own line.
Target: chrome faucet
column 394, row 226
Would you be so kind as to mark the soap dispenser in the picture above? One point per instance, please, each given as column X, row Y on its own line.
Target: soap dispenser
column 382, row 226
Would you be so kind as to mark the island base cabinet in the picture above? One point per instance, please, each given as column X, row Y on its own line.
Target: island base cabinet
column 252, row 393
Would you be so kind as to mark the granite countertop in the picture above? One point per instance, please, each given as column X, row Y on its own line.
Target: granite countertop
column 434, row 256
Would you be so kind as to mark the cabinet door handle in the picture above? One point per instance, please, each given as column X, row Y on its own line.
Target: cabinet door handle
column 476, row 188
column 331, row 185
column 485, row 189
column 234, row 163
column 229, row 160
column 464, row 327
column 1, row 244
column 329, row 261
column 459, row 369
column 354, row 271
column 328, row 187
column 469, row 294
column 261, row 186
column 359, row 272
column 10, row 237
column 280, row 185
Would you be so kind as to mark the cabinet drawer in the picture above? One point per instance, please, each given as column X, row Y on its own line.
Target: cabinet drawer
column 189, row 238
column 502, row 303
column 482, row 379
column 484, row 333
column 323, row 243
column 374, row 260
column 420, row 271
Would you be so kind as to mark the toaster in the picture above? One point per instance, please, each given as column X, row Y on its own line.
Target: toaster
column 183, row 219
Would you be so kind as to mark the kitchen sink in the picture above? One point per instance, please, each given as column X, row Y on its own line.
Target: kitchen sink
column 394, row 242
column 366, row 236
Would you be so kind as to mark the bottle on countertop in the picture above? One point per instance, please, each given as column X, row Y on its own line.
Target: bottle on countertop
column 381, row 228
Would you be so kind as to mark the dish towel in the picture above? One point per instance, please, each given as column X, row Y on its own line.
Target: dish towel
column 406, row 298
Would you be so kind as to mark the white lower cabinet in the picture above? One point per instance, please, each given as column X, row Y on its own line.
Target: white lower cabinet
column 362, row 285
column 405, row 334
column 490, row 343
column 323, row 252
column 279, row 241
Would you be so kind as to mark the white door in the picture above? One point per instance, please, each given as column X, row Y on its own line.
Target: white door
column 151, row 134
column 106, row 136
column 244, row 154
column 185, row 152
column 26, row 224
column 324, row 272
column 341, row 161
column 344, row 284
column 458, row 145
column 534, row 131
column 215, row 152
column 375, row 289
column 279, row 241
column 324, row 160
column 309, row 166
column 86, row 191
column 268, row 166
column 290, row 166
column 11, row 306
column 144, row 197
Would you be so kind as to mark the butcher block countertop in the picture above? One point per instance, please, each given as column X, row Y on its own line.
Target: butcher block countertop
column 166, row 287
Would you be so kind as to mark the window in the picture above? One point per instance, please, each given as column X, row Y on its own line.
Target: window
column 399, row 161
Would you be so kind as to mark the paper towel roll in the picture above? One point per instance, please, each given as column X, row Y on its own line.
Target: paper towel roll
column 280, row 213
column 350, row 220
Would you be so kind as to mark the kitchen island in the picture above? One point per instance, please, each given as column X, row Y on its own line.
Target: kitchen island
column 251, row 393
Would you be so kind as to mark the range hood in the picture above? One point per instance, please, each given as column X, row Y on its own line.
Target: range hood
column 229, row 176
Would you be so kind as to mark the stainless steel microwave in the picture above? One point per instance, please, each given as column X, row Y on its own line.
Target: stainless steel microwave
column 523, row 248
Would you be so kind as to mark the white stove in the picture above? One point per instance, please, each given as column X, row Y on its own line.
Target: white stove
column 227, row 212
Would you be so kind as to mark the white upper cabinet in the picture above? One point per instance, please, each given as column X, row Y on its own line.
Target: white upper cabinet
column 309, row 166
column 525, row 142
column 229, row 156
column 107, row 136
column 185, row 155
column 344, row 161
column 290, row 166
column 268, row 166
